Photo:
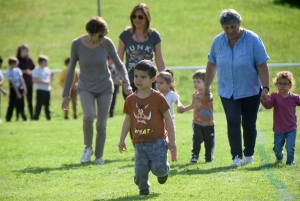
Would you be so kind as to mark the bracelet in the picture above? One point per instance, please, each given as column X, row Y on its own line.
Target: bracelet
column 126, row 82
column 266, row 88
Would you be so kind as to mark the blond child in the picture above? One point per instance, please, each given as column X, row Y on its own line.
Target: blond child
column 203, row 122
column 74, row 94
column 42, row 77
column 165, row 85
column 284, row 103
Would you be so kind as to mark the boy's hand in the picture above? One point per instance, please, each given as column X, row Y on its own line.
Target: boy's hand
column 172, row 146
column 122, row 146
column 180, row 109
column 19, row 96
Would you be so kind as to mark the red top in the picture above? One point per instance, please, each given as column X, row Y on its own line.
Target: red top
column 284, row 112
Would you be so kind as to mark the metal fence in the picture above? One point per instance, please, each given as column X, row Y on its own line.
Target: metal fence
column 203, row 67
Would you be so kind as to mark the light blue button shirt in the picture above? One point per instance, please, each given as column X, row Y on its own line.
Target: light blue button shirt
column 236, row 68
column 15, row 75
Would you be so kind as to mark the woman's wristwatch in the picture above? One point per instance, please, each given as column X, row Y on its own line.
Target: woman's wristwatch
column 266, row 88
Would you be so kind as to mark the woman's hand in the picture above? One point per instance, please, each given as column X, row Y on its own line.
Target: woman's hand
column 127, row 88
column 264, row 95
column 65, row 103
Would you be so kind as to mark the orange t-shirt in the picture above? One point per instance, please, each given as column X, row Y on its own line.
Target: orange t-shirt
column 146, row 116
column 203, row 110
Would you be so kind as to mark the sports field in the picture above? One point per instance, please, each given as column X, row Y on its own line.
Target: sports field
column 40, row 160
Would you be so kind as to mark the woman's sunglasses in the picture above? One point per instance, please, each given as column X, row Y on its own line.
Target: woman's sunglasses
column 140, row 17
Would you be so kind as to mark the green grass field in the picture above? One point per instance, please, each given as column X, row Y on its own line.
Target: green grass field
column 40, row 160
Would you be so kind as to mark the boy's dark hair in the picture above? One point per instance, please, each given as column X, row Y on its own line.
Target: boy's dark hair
column 42, row 58
column 147, row 66
column 200, row 74
column 67, row 61
column 13, row 60
column 1, row 60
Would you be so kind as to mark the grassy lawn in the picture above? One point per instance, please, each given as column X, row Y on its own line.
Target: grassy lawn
column 40, row 160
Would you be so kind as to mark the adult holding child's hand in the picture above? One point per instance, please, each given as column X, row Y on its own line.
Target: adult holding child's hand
column 239, row 57
column 95, row 84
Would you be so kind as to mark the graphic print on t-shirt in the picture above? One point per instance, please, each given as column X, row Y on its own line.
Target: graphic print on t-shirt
column 138, row 53
column 140, row 116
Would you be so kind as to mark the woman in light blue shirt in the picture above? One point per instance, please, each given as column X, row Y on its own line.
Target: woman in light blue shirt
column 239, row 58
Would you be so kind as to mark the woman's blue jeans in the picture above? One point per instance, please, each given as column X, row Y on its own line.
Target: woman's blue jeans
column 241, row 111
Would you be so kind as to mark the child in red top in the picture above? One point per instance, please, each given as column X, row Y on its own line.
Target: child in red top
column 146, row 113
column 284, row 115
column 203, row 122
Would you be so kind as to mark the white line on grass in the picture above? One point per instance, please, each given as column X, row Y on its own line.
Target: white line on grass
column 284, row 194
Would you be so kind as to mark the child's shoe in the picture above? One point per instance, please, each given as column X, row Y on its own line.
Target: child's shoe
column 163, row 179
column 279, row 160
column 99, row 161
column 248, row 160
column 145, row 192
column 237, row 161
column 194, row 158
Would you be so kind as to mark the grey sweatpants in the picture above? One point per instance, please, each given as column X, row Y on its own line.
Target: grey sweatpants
column 150, row 156
column 87, row 100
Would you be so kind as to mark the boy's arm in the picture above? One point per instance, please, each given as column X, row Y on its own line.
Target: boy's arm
column 125, row 130
column 171, row 130
column 38, row 81
column 15, row 88
column 24, row 86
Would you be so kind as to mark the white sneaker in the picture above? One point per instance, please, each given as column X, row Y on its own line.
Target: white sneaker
column 248, row 159
column 237, row 161
column 86, row 155
column 99, row 161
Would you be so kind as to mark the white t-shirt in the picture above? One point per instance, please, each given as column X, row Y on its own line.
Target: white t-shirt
column 15, row 75
column 171, row 97
column 43, row 74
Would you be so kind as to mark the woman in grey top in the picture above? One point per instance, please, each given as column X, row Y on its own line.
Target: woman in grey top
column 95, row 84
column 140, row 41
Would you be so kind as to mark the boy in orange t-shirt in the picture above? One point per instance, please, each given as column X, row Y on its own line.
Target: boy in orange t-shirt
column 146, row 111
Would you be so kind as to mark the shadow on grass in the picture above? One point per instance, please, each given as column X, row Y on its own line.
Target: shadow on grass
column 133, row 197
column 265, row 166
column 190, row 169
column 291, row 3
column 38, row 170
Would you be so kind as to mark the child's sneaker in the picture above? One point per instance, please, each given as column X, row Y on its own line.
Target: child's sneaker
column 280, row 161
column 237, row 161
column 248, row 160
column 99, row 161
column 86, row 155
column 194, row 158
column 163, row 179
column 145, row 192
